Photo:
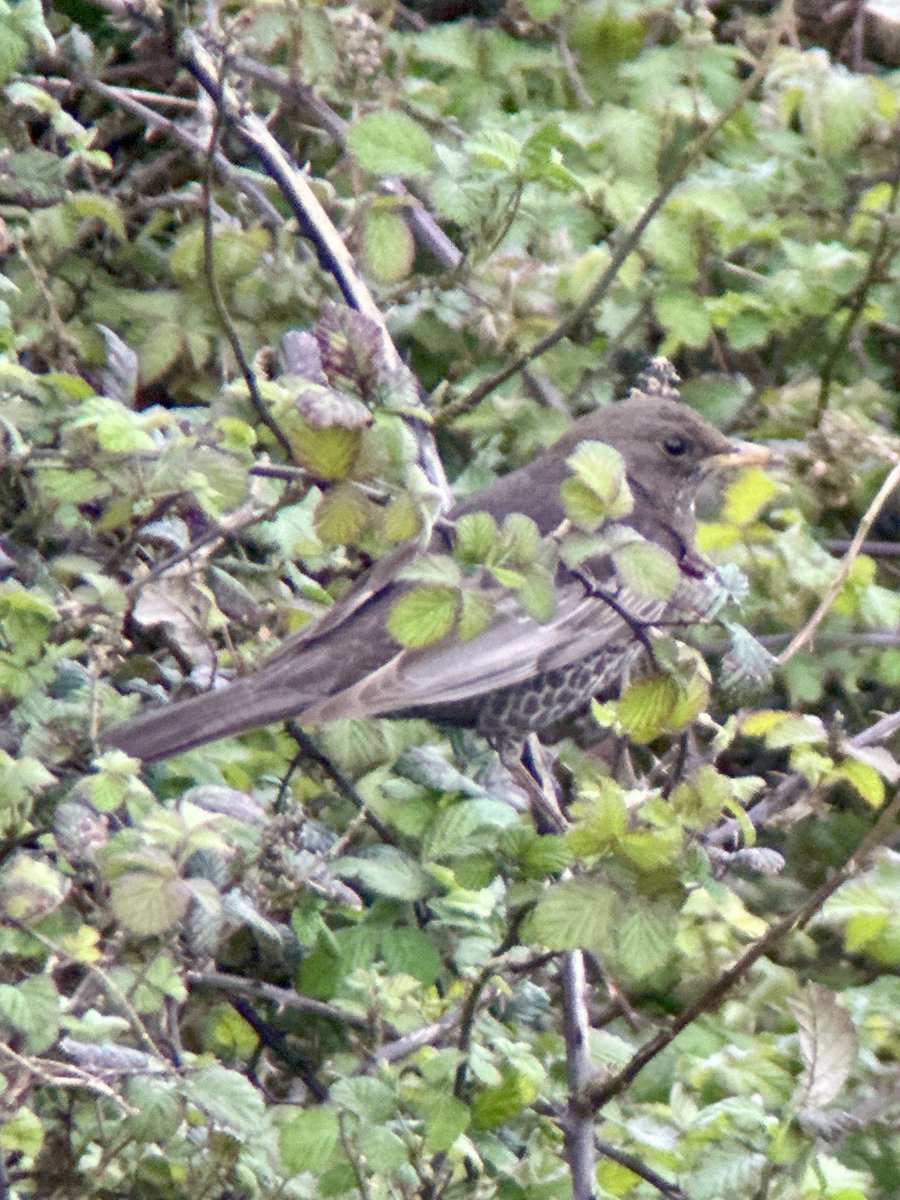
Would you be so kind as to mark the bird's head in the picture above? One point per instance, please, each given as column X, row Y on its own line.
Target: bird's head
column 668, row 448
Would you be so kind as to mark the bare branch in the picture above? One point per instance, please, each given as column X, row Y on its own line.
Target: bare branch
column 807, row 633
column 710, row 999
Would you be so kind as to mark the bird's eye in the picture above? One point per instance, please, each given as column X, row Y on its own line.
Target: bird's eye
column 677, row 446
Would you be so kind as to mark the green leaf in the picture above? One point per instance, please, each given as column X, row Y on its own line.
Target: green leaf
column 93, row 205
column 388, row 872
column 522, row 540
column 684, row 316
column 748, row 496
column 645, row 941
column 401, row 519
column 542, row 10
column 410, row 952
column 864, row 780
column 475, row 615
column 342, row 515
column 308, row 1141
column 602, row 469
column 647, row 569
column 476, row 537
column 22, row 1134
column 446, row 1118
column 423, row 615
column 388, row 246
column 371, row 1099
column 229, row 1099
column 148, row 903
column 644, row 709
column 579, row 913
column 328, row 453
column 537, row 595
column 583, row 506
column 390, row 143
column 496, row 1105
column 32, row 1007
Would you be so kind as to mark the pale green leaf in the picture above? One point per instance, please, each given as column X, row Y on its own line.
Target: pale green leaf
column 579, row 913
column 388, row 246
column 390, row 143
column 648, row 570
column 148, row 903
column 423, row 615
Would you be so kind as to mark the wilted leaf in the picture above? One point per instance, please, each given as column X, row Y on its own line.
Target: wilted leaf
column 828, row 1046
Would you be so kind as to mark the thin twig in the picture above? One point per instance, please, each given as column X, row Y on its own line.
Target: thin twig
column 710, row 999
column 881, row 254
column 808, row 631
column 311, row 751
column 629, row 241
column 234, row 176
column 218, row 300
column 795, row 786
column 239, row 986
column 670, row 1190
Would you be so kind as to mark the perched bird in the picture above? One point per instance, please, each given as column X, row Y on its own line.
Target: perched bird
column 519, row 674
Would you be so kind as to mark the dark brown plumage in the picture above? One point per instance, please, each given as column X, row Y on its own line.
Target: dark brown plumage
column 520, row 675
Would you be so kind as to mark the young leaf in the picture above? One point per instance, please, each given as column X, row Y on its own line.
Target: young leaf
column 390, row 143
column 423, row 615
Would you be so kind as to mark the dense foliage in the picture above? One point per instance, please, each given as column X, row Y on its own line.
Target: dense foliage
column 350, row 964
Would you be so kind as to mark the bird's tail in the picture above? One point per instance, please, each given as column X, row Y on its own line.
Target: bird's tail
column 245, row 704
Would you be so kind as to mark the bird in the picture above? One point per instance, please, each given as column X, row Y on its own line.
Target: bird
column 520, row 674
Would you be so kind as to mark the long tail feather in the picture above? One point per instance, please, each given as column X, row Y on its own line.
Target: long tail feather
column 174, row 728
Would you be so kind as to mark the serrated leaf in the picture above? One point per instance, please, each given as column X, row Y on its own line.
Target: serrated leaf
column 783, row 729
column 148, row 903
column 684, row 316
column 401, row 519
column 390, row 143
column 583, row 507
column 522, row 540
column 476, row 612
column 864, row 780
column 100, row 208
column 33, row 1008
column 602, row 469
column 229, row 1099
column 576, row 914
column 410, row 952
column 328, row 453
column 645, row 707
column 647, row 569
column 342, row 515
column 476, row 537
column 388, row 872
column 537, row 595
column 446, row 1118
column 828, row 1046
column 22, row 1133
column 645, row 940
column 423, row 616
column 495, row 1105
column 371, row 1099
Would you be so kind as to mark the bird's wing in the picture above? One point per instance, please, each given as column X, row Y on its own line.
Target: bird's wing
column 515, row 647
